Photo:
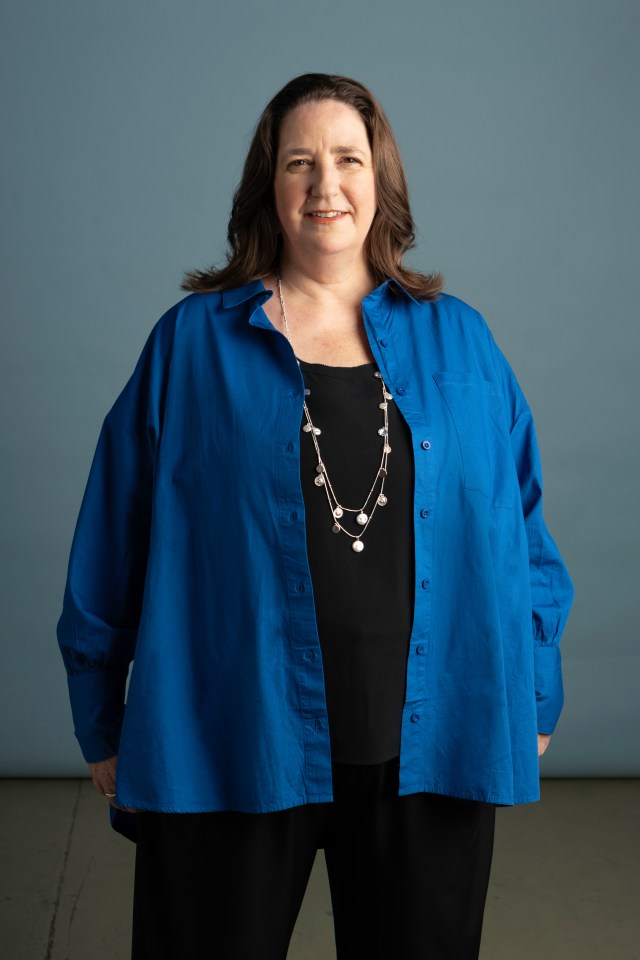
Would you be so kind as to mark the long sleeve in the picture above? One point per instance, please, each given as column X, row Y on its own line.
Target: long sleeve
column 97, row 629
column 103, row 595
column 551, row 586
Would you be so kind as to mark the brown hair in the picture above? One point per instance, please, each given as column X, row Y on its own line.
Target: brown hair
column 253, row 231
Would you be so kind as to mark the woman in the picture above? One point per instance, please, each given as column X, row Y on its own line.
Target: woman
column 314, row 517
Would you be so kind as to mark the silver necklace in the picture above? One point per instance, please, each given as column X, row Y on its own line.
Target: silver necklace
column 338, row 509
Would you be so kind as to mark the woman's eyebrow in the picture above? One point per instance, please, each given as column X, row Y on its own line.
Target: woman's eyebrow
column 305, row 150
column 347, row 150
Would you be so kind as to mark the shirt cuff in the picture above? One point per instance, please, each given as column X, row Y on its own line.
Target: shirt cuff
column 549, row 689
column 97, row 704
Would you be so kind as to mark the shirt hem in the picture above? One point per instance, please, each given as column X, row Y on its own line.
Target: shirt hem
column 483, row 797
column 145, row 806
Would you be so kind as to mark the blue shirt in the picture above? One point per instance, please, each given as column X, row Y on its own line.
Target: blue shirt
column 190, row 559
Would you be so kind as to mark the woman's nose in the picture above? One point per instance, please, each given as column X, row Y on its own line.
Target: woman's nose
column 326, row 180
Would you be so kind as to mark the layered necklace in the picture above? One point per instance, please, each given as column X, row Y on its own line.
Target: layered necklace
column 338, row 510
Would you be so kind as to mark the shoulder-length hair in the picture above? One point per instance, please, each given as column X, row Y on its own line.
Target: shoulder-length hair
column 253, row 233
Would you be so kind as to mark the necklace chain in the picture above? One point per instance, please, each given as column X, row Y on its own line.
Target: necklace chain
column 322, row 479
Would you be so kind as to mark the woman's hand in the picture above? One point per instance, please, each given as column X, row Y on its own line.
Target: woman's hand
column 543, row 742
column 103, row 775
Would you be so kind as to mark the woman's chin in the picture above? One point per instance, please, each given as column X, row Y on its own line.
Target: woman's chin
column 327, row 245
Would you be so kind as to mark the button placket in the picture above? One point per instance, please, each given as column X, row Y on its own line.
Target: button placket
column 419, row 680
column 413, row 412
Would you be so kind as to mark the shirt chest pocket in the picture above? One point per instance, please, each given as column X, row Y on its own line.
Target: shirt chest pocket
column 475, row 408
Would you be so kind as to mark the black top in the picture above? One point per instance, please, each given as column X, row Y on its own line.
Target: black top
column 364, row 601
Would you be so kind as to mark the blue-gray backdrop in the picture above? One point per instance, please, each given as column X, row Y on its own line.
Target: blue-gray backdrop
column 125, row 126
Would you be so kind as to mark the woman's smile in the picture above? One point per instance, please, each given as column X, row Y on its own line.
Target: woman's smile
column 326, row 216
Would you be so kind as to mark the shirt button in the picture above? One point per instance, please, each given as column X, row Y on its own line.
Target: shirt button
column 415, row 717
column 384, row 343
column 420, row 649
column 294, row 514
column 424, row 513
column 425, row 445
column 301, row 588
column 425, row 584
column 400, row 391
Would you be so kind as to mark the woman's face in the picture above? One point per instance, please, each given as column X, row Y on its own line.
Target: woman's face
column 324, row 185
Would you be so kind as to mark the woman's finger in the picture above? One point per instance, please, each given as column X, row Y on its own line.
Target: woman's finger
column 103, row 775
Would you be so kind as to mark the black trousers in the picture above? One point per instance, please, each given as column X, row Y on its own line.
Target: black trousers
column 408, row 875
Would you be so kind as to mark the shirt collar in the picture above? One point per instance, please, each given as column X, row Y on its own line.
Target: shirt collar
column 395, row 283
column 236, row 295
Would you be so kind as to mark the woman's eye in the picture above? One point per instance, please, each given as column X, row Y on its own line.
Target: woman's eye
column 303, row 162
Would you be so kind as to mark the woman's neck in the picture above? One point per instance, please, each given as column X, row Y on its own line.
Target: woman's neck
column 327, row 283
column 324, row 312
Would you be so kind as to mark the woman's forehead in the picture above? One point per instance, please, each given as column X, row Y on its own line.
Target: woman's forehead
column 327, row 122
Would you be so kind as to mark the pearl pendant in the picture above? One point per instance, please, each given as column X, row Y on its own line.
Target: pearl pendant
column 382, row 472
column 307, row 428
column 317, row 431
column 362, row 519
column 338, row 512
column 307, row 392
column 383, row 431
column 320, row 468
column 358, row 546
column 383, row 405
column 319, row 480
column 387, row 448
column 335, row 528
column 387, row 396
column 382, row 500
column 378, row 375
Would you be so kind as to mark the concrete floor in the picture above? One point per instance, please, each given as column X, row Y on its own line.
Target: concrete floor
column 565, row 880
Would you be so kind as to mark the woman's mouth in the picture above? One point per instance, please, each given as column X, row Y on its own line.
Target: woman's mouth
column 326, row 216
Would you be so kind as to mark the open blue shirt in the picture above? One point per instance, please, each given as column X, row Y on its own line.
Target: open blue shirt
column 190, row 559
